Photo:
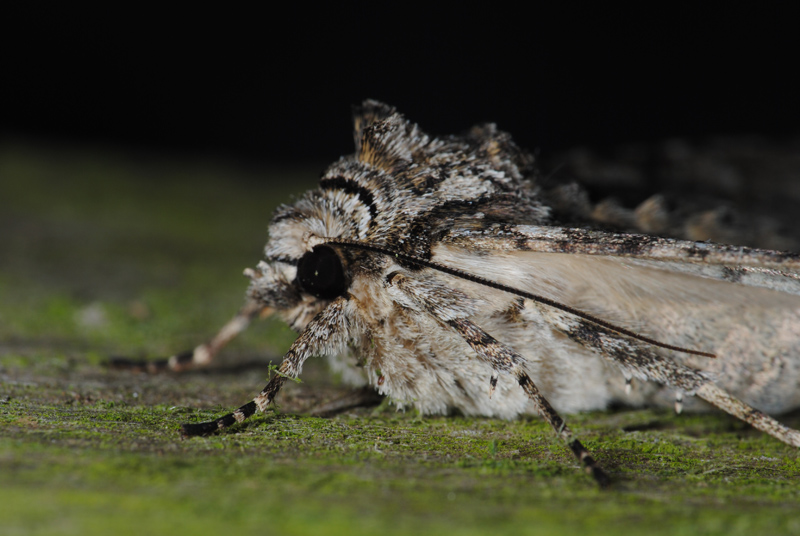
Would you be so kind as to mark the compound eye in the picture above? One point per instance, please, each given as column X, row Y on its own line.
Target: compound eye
column 320, row 273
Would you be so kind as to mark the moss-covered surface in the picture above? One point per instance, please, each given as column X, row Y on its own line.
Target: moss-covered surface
column 120, row 255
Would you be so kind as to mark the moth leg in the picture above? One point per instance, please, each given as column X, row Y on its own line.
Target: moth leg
column 326, row 333
column 450, row 307
column 645, row 363
column 505, row 359
column 755, row 418
column 202, row 355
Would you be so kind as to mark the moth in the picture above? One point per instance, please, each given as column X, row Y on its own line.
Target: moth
column 436, row 265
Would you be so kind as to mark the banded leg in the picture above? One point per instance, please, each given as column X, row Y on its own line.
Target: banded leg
column 326, row 333
column 203, row 354
column 755, row 418
column 503, row 358
column 644, row 362
column 451, row 307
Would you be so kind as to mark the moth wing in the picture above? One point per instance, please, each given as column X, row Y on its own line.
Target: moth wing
column 741, row 304
column 742, row 265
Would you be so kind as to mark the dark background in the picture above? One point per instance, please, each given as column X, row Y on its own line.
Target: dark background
column 278, row 87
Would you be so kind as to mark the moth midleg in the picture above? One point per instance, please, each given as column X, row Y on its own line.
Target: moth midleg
column 203, row 354
column 450, row 307
column 503, row 358
column 326, row 331
column 646, row 363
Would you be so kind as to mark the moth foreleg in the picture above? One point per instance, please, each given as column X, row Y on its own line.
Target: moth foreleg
column 202, row 355
column 646, row 363
column 326, row 333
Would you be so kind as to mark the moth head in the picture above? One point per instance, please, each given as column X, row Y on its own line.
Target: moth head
column 319, row 273
column 301, row 276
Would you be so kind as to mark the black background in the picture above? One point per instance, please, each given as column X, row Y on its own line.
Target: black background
column 274, row 85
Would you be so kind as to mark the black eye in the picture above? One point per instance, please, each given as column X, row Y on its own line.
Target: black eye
column 320, row 273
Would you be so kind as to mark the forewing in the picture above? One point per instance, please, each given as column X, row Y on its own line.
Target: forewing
column 741, row 304
column 778, row 270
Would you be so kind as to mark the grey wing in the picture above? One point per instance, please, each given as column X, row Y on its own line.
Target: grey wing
column 779, row 270
column 741, row 304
